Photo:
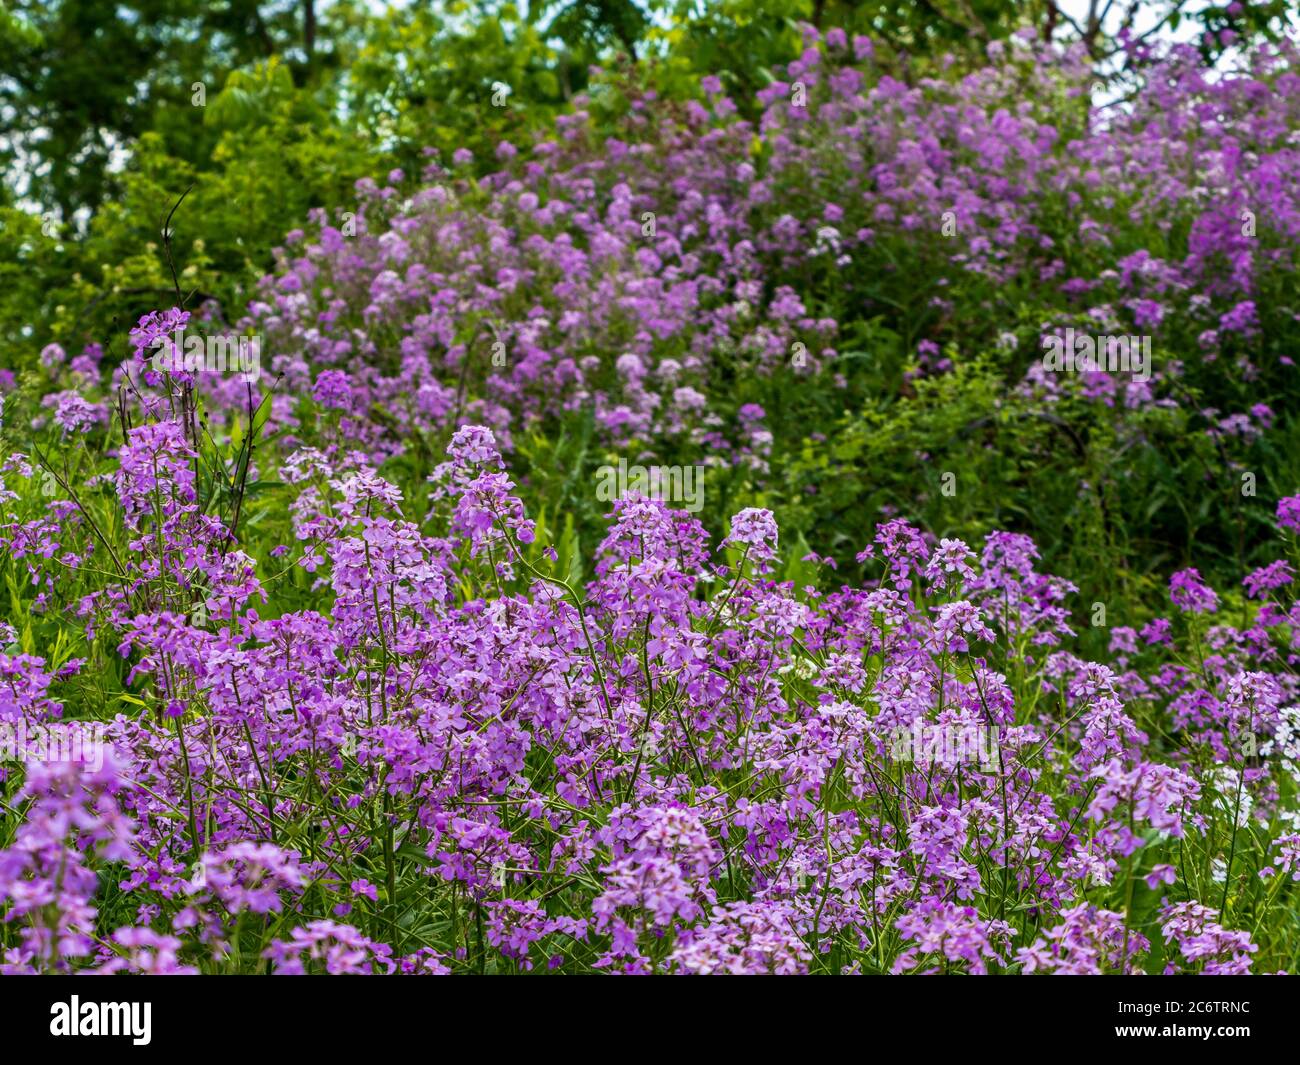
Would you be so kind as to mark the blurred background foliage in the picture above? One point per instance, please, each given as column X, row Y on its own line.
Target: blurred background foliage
column 266, row 108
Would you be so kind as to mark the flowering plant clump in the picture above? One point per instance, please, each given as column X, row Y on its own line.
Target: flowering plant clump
column 710, row 285
column 343, row 667
column 457, row 760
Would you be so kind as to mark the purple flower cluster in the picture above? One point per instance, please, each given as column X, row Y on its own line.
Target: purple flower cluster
column 684, row 766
